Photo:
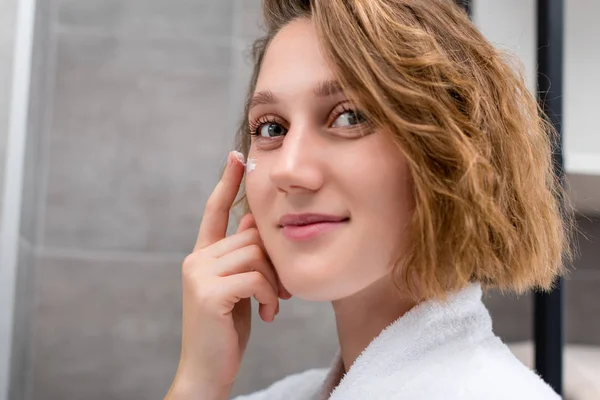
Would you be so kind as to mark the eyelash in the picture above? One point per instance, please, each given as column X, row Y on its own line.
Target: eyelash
column 258, row 123
column 268, row 119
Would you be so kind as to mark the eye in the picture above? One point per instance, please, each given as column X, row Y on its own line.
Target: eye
column 270, row 129
column 267, row 127
column 349, row 118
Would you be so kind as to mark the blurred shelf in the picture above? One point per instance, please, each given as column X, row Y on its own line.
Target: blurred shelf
column 583, row 180
column 581, row 368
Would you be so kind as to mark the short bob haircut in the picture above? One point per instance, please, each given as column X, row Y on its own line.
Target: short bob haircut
column 489, row 207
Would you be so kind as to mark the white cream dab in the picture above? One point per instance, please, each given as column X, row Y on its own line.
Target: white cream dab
column 250, row 165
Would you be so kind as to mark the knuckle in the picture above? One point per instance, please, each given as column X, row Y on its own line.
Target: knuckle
column 254, row 235
column 192, row 264
column 205, row 293
column 260, row 283
column 255, row 252
column 256, row 278
column 188, row 263
column 205, row 296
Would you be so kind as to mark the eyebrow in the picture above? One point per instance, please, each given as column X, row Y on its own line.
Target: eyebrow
column 322, row 89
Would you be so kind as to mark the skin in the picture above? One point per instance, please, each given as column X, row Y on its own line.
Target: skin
column 323, row 160
column 312, row 156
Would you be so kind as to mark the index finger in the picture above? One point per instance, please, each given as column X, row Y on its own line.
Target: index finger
column 216, row 213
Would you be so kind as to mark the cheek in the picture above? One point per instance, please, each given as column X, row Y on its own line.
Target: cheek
column 389, row 202
column 382, row 181
column 396, row 200
column 256, row 185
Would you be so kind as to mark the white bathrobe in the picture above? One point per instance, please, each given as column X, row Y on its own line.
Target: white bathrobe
column 435, row 351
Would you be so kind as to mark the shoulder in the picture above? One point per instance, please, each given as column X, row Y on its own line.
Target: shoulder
column 495, row 373
column 488, row 372
column 301, row 386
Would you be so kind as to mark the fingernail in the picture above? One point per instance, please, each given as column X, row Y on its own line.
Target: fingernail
column 239, row 156
column 229, row 159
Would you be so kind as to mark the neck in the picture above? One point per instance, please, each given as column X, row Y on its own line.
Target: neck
column 361, row 317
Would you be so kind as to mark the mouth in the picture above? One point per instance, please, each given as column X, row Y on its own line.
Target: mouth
column 302, row 227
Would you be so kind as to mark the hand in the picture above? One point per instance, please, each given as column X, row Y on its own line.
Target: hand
column 218, row 280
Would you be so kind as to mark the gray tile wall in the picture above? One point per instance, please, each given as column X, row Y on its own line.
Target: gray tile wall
column 8, row 11
column 21, row 348
column 25, row 293
column 106, row 329
column 141, row 102
column 139, row 99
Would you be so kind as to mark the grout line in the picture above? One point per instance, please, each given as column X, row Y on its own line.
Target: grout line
column 46, row 127
column 150, row 256
column 215, row 40
column 101, row 255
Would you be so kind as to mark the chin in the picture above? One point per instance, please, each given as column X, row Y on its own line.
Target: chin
column 314, row 294
column 318, row 282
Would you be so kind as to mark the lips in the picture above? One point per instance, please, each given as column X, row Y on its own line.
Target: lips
column 307, row 219
column 303, row 227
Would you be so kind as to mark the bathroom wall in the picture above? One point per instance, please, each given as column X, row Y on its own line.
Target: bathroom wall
column 17, row 24
column 140, row 101
column 8, row 12
column 7, row 37
column 134, row 105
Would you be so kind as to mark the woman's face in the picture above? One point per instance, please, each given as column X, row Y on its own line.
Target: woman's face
column 331, row 199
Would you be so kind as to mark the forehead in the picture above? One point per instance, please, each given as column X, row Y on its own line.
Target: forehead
column 293, row 61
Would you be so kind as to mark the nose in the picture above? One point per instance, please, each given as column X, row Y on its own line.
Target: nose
column 299, row 163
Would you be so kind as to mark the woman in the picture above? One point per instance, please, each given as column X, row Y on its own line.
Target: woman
column 394, row 165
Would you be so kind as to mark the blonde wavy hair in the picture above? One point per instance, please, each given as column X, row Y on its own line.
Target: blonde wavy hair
column 489, row 207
